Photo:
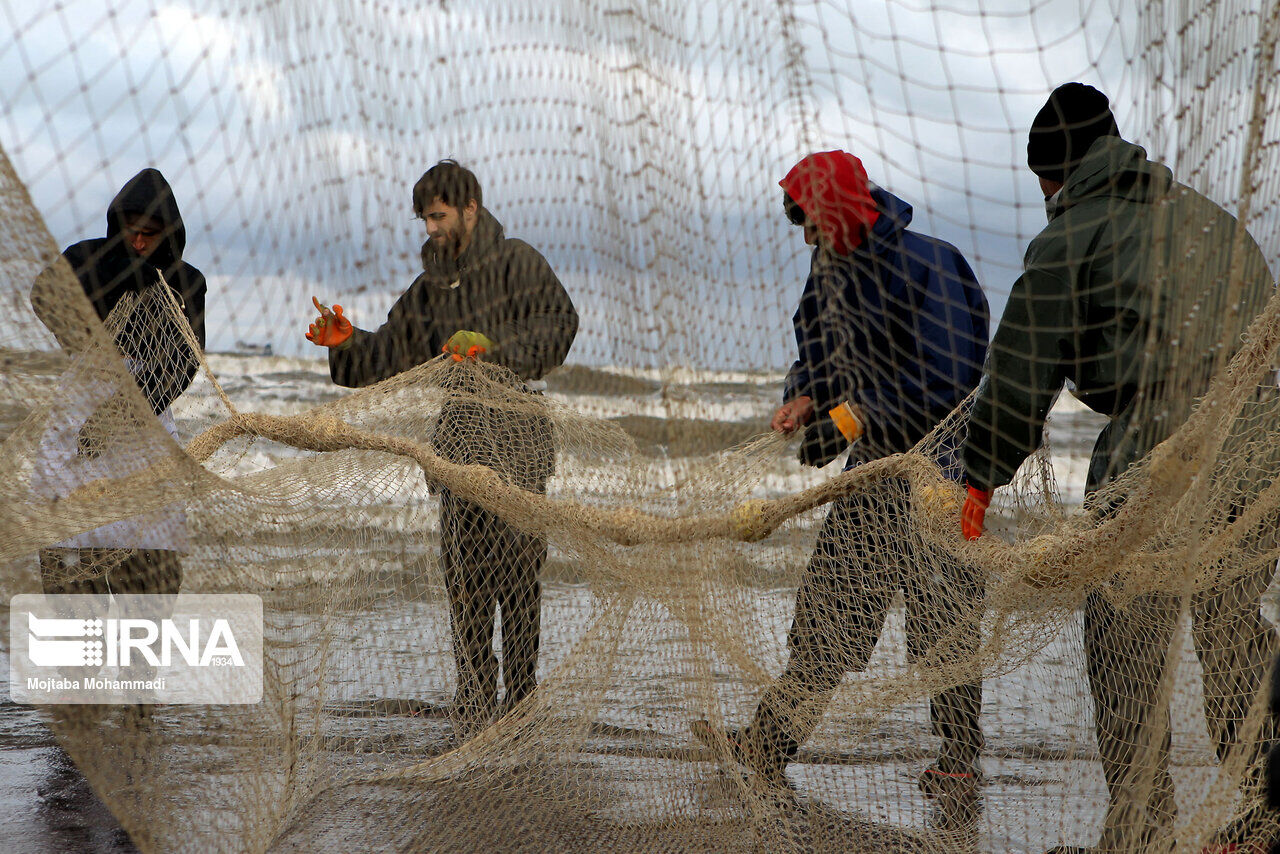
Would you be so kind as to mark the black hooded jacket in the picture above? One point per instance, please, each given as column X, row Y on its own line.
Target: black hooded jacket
column 499, row 286
column 504, row 289
column 108, row 268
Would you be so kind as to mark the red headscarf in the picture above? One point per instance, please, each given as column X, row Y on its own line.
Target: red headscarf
column 831, row 188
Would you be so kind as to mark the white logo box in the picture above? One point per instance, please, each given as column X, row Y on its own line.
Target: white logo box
column 135, row 648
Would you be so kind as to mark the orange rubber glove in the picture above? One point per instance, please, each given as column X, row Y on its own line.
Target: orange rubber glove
column 465, row 344
column 974, row 512
column 330, row 329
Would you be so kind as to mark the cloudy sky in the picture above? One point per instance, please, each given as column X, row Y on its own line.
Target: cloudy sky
column 638, row 145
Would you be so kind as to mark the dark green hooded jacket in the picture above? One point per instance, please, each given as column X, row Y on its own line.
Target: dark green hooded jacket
column 1125, row 294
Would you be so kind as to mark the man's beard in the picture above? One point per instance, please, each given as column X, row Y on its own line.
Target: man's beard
column 448, row 244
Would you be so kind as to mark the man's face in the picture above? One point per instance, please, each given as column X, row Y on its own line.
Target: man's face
column 1049, row 187
column 448, row 228
column 142, row 234
column 810, row 232
column 797, row 216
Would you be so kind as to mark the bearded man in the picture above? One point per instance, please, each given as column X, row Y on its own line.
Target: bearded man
column 481, row 296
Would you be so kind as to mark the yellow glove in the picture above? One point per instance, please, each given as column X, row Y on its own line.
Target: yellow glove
column 942, row 498
column 848, row 418
column 466, row 344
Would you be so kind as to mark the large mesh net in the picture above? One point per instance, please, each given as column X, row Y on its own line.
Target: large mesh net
column 573, row 592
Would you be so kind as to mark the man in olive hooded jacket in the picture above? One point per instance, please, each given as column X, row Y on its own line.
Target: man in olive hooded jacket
column 1126, row 293
column 481, row 295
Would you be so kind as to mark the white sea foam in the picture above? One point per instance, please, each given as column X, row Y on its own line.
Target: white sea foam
column 284, row 385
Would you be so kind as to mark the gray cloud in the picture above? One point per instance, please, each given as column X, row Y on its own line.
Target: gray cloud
column 640, row 151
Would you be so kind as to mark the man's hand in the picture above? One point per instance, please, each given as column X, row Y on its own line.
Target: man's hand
column 330, row 329
column 792, row 415
column 974, row 513
column 466, row 344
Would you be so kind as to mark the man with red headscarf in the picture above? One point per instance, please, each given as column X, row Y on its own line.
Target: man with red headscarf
column 891, row 334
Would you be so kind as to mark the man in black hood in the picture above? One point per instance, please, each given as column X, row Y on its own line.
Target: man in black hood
column 152, row 303
column 481, row 295
column 144, row 242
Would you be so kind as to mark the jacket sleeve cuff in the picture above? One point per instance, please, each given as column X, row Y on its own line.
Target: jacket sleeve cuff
column 979, row 484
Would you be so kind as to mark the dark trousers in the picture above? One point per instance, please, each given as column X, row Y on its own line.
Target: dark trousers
column 1126, row 648
column 119, row 571
column 488, row 563
column 1125, row 652
column 104, row 571
column 863, row 557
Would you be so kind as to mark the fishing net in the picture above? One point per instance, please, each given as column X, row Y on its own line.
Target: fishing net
column 642, row 535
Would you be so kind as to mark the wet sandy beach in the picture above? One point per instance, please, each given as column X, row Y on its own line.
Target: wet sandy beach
column 637, row 780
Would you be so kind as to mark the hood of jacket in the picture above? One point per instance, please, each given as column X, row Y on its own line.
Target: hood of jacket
column 486, row 241
column 886, row 235
column 832, row 189
column 894, row 214
column 1117, row 168
column 149, row 194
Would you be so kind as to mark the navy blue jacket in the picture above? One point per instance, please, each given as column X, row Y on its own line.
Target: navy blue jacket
column 899, row 326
